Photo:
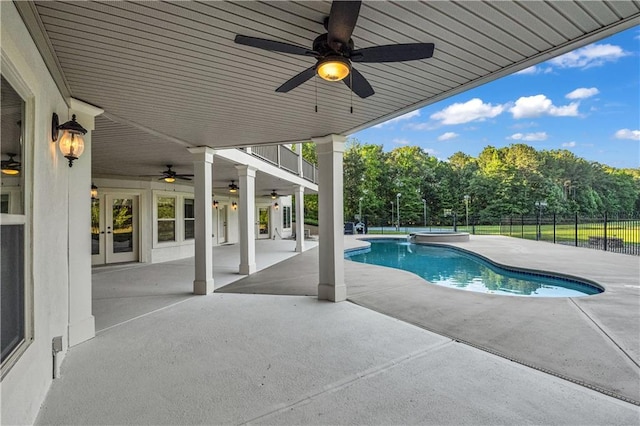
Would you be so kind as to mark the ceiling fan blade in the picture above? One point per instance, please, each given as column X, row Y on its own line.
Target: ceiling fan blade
column 297, row 80
column 274, row 46
column 342, row 21
column 361, row 86
column 182, row 177
column 394, row 53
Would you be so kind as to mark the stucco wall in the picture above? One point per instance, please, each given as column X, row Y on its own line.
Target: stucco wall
column 25, row 385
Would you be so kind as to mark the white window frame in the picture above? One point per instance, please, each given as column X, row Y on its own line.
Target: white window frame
column 179, row 218
column 286, row 213
column 190, row 219
column 11, row 74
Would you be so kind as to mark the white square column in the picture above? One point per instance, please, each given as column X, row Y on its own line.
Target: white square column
column 81, row 320
column 298, row 192
column 203, row 173
column 247, row 218
column 330, row 150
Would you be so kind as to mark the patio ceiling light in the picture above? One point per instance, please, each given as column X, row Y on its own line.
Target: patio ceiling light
column 333, row 68
column 11, row 166
column 71, row 141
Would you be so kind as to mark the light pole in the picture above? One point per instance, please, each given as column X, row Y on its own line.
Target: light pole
column 391, row 213
column 540, row 205
column 398, row 210
column 360, row 209
column 424, row 211
column 466, row 208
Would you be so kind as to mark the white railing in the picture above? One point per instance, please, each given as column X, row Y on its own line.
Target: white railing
column 285, row 159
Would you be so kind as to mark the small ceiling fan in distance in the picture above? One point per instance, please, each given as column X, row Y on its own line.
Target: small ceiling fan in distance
column 334, row 51
column 170, row 175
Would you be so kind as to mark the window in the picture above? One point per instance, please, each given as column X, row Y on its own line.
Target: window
column 166, row 219
column 286, row 217
column 16, row 327
column 189, row 219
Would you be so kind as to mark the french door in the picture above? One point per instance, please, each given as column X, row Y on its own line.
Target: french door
column 263, row 223
column 114, row 229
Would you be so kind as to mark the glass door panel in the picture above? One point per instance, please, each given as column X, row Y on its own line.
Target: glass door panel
column 121, row 233
column 122, row 210
column 263, row 222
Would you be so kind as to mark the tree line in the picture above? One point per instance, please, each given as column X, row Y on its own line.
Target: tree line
column 507, row 181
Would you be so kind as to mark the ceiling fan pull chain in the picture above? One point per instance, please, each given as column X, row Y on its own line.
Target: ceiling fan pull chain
column 315, row 81
column 351, row 86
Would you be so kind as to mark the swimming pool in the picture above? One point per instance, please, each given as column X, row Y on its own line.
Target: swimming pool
column 453, row 268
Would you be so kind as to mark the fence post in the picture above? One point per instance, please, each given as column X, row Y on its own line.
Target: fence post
column 605, row 231
column 576, row 230
column 510, row 224
column 554, row 228
column 473, row 226
column 521, row 226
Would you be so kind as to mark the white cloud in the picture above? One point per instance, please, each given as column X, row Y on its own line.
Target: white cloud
column 430, row 151
column 593, row 55
column 628, row 134
column 448, row 135
column 582, row 93
column 473, row 110
column 406, row 116
column 400, row 141
column 421, row 126
column 535, row 106
column 533, row 70
column 538, row 136
column 569, row 144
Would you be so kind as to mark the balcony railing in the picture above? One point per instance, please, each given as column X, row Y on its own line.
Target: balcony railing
column 286, row 159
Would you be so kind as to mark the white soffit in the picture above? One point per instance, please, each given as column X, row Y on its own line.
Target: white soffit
column 173, row 67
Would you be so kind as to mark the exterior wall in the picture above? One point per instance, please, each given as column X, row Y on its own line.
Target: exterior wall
column 148, row 191
column 25, row 385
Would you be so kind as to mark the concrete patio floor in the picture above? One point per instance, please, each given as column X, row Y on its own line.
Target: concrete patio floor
column 280, row 359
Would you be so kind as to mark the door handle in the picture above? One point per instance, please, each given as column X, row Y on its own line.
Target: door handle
column 102, row 232
column 108, row 232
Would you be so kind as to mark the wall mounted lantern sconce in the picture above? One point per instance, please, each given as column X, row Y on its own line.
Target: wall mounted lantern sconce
column 215, row 204
column 234, row 205
column 94, row 192
column 275, row 206
column 71, row 141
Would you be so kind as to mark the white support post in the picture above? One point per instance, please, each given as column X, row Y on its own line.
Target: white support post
column 299, row 151
column 202, row 166
column 246, row 221
column 298, row 192
column 331, row 221
column 81, row 320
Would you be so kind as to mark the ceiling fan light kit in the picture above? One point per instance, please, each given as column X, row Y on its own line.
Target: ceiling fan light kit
column 334, row 51
column 333, row 68
column 11, row 167
column 233, row 188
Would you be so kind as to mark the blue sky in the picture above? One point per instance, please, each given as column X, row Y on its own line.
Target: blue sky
column 586, row 101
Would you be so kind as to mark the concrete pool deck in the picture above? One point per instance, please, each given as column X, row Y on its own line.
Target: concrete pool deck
column 276, row 359
column 591, row 340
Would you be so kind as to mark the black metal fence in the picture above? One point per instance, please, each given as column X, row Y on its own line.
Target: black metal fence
column 614, row 232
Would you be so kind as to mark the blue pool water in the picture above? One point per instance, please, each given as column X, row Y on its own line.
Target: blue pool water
column 457, row 269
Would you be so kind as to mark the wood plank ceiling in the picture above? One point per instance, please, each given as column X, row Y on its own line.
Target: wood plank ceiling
column 173, row 67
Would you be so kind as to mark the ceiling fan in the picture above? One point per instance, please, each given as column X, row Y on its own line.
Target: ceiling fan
column 334, row 51
column 233, row 188
column 170, row 175
column 11, row 166
column 274, row 194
